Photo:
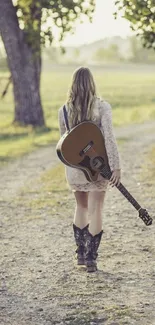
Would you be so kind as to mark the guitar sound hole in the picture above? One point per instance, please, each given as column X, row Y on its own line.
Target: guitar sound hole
column 97, row 163
column 86, row 163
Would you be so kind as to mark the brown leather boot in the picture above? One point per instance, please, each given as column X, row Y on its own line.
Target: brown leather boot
column 91, row 246
column 79, row 239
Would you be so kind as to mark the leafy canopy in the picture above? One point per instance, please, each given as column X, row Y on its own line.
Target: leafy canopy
column 38, row 18
column 141, row 14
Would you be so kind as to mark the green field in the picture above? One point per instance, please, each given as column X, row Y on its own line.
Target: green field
column 129, row 90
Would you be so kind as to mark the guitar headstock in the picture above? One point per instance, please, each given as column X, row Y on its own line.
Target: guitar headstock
column 143, row 214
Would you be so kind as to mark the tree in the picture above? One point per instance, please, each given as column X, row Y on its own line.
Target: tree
column 26, row 26
column 111, row 53
column 141, row 14
column 139, row 54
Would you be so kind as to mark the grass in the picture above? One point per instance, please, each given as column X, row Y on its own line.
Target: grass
column 131, row 94
column 113, row 313
column 47, row 193
column 151, row 157
column 148, row 173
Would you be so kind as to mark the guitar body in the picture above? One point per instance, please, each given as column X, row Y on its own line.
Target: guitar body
column 78, row 148
column 83, row 147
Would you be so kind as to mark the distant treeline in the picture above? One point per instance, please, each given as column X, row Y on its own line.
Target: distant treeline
column 115, row 49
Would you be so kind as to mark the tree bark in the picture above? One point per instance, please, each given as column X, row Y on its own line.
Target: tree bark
column 25, row 67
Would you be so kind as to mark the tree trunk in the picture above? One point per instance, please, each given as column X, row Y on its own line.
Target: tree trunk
column 25, row 68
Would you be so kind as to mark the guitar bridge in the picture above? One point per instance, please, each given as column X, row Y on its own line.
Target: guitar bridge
column 88, row 146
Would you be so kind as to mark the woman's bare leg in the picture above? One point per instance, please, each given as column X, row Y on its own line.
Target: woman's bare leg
column 81, row 209
column 95, row 207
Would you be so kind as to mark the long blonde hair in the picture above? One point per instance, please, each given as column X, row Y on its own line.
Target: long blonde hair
column 81, row 97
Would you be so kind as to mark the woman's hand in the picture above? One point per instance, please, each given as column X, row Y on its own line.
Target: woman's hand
column 115, row 177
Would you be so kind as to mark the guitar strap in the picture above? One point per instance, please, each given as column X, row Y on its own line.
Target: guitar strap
column 66, row 118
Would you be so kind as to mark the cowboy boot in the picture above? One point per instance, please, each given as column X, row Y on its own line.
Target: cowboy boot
column 91, row 246
column 79, row 239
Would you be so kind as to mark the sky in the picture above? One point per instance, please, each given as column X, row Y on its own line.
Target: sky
column 104, row 25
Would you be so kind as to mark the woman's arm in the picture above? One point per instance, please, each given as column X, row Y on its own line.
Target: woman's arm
column 62, row 127
column 110, row 142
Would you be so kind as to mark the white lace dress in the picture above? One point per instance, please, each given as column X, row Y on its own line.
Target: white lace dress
column 103, row 119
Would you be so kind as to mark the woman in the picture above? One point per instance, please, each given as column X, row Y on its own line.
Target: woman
column 83, row 105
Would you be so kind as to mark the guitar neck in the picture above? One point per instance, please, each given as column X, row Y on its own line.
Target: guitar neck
column 123, row 190
column 128, row 196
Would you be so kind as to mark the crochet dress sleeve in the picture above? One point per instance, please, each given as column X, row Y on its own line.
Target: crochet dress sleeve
column 62, row 127
column 109, row 137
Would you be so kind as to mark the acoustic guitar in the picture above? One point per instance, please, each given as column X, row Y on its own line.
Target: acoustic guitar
column 83, row 147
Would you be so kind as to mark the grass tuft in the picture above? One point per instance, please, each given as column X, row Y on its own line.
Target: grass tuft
column 48, row 192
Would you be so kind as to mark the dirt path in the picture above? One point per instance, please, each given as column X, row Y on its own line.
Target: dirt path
column 39, row 281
